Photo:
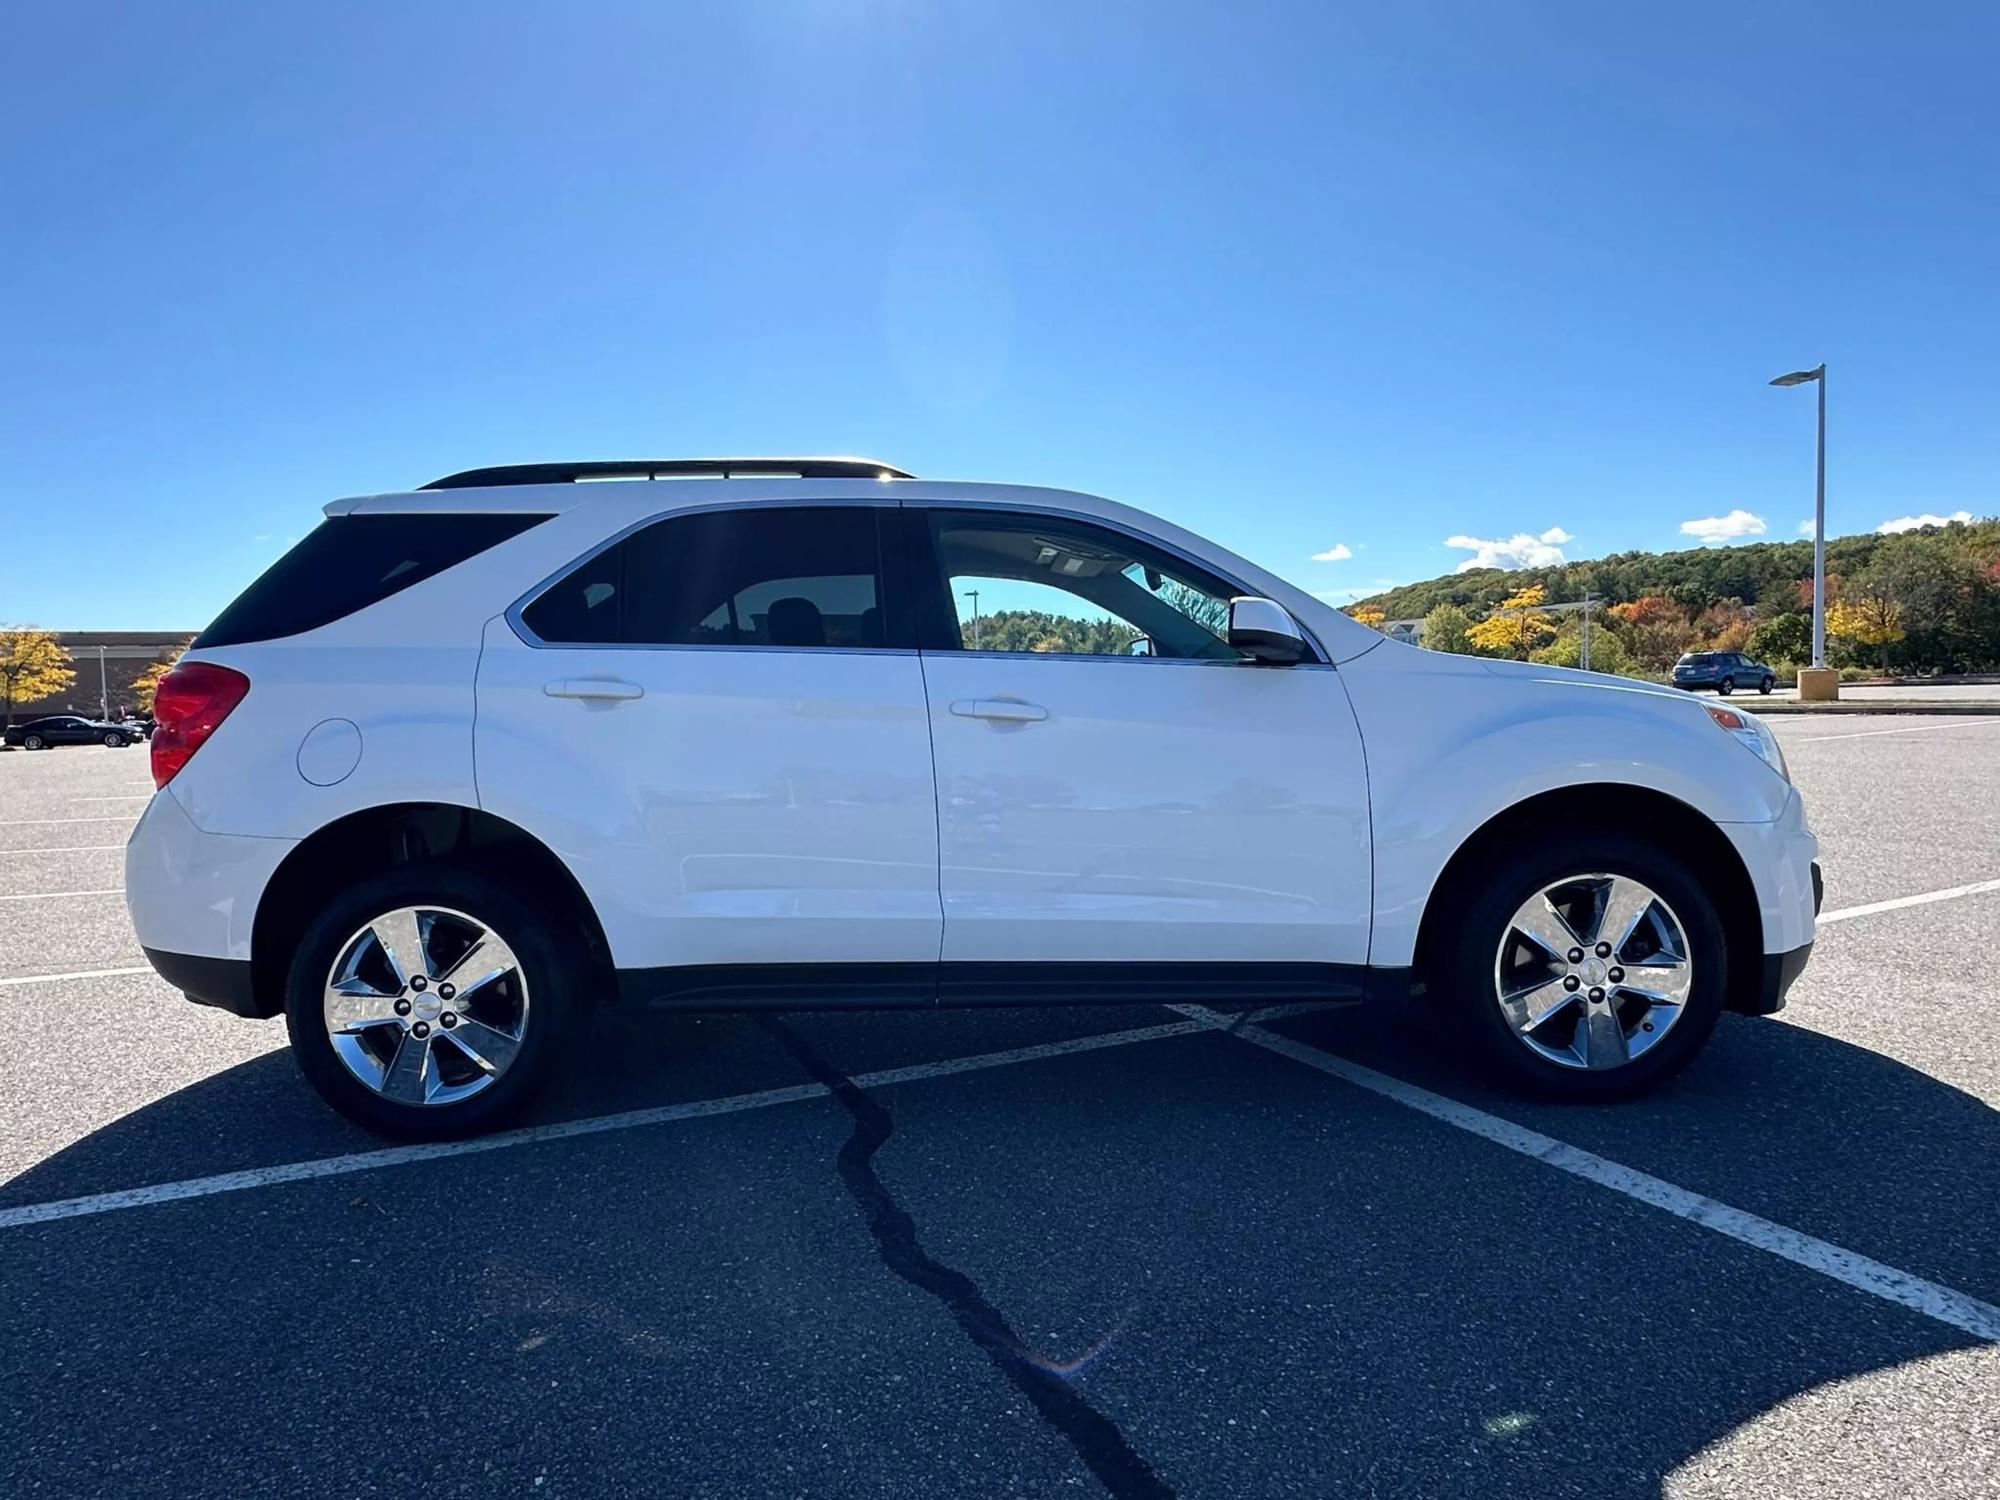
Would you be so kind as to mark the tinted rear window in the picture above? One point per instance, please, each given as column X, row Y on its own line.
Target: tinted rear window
column 792, row 576
column 347, row 563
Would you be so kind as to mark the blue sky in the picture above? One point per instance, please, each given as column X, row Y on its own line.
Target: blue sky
column 1308, row 278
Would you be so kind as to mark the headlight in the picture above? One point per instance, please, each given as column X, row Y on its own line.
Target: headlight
column 1754, row 735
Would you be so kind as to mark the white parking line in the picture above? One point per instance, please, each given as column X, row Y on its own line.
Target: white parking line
column 1980, row 1319
column 79, row 974
column 1978, row 887
column 1929, row 1298
column 123, row 797
column 396, row 1156
column 45, row 822
column 71, row 849
column 116, row 890
column 1869, row 734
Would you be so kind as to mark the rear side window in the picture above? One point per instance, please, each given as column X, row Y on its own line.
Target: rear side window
column 798, row 576
column 347, row 563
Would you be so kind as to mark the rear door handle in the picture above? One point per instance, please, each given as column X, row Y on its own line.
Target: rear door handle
column 593, row 689
column 999, row 710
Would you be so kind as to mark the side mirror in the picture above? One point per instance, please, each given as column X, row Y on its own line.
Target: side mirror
column 1142, row 645
column 1266, row 631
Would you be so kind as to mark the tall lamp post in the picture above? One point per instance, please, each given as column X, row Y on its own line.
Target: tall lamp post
column 1822, row 683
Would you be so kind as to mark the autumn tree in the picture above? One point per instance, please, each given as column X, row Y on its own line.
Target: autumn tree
column 1868, row 619
column 1725, row 626
column 147, row 682
column 1517, row 626
column 33, row 665
column 1368, row 615
column 1656, row 630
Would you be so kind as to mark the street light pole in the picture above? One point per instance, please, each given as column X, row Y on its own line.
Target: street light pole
column 973, row 595
column 1817, row 376
column 1819, row 531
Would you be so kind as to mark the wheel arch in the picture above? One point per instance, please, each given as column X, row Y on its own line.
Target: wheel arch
column 373, row 839
column 1639, row 810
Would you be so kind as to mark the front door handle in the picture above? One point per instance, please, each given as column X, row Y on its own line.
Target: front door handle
column 999, row 710
column 593, row 689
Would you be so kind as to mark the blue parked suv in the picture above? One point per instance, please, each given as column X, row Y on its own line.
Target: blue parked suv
column 1725, row 671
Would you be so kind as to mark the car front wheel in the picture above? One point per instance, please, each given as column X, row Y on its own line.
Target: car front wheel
column 1766, row 685
column 113, row 740
column 432, row 1002
column 1592, row 970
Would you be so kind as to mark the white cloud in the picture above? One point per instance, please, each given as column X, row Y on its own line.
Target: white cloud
column 1517, row 551
column 1338, row 552
column 1712, row 530
column 1806, row 526
column 1911, row 523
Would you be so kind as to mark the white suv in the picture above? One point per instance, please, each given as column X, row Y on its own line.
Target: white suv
column 812, row 732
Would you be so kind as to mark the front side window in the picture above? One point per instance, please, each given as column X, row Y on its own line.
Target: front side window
column 1053, row 585
column 797, row 576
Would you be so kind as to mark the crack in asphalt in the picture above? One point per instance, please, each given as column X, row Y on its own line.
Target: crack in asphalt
column 1104, row 1449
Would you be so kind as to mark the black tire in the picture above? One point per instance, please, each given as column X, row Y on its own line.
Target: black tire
column 1488, row 905
column 553, row 965
column 1726, row 686
column 32, row 742
column 114, row 741
column 1766, row 685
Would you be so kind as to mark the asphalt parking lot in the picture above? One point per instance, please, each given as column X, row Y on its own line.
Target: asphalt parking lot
column 1135, row 1251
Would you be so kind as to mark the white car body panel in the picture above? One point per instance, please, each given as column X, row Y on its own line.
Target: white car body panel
column 189, row 891
column 1162, row 810
column 1453, row 741
column 755, row 806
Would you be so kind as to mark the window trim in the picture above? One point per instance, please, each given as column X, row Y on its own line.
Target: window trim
column 909, row 579
column 927, row 575
column 885, row 540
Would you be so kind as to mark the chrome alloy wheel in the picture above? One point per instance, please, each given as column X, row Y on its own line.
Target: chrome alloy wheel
column 426, row 1005
column 1593, row 971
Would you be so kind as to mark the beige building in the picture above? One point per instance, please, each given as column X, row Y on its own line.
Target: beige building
column 106, row 661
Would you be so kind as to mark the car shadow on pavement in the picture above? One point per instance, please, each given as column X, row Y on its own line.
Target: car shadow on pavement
column 1389, row 1293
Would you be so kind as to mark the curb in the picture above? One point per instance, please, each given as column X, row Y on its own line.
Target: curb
column 1946, row 707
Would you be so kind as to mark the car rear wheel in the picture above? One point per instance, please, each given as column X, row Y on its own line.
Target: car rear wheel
column 432, row 1002
column 31, row 742
column 1726, row 686
column 1591, row 970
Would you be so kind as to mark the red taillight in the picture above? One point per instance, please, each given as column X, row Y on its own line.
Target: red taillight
column 191, row 701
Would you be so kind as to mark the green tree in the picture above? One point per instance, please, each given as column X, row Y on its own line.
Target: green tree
column 33, row 665
column 1445, row 629
column 1607, row 651
column 1783, row 637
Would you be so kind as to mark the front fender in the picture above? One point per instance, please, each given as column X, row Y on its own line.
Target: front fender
column 1452, row 744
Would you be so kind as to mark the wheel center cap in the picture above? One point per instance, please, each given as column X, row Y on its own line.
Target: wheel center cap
column 1593, row 971
column 426, row 1007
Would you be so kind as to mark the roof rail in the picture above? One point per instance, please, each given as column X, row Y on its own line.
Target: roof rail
column 671, row 468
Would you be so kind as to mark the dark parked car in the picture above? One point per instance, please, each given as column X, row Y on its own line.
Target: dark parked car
column 1725, row 671
column 68, row 729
